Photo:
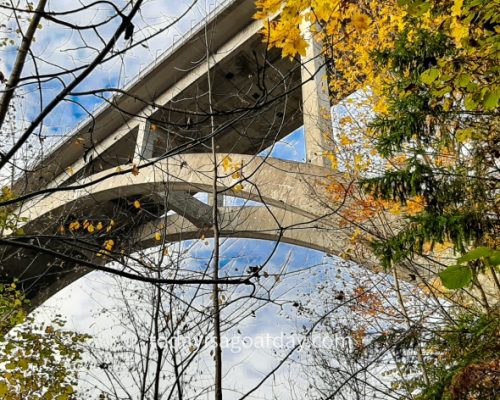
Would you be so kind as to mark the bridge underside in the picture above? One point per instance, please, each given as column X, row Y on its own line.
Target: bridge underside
column 257, row 98
column 147, row 153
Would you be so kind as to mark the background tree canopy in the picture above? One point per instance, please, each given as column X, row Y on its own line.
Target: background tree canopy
column 432, row 69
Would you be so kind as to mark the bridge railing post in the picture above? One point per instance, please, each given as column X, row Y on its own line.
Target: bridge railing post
column 315, row 99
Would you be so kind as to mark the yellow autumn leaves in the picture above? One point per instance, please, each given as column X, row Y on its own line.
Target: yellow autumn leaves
column 285, row 32
column 86, row 225
column 235, row 170
column 352, row 31
column 413, row 206
column 90, row 227
column 108, row 246
column 360, row 22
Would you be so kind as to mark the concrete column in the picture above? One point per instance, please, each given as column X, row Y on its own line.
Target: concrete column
column 220, row 200
column 146, row 139
column 315, row 100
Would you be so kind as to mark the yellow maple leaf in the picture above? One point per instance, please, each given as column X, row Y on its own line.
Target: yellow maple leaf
column 441, row 247
column 415, row 205
column 238, row 187
column 295, row 45
column 345, row 120
column 427, row 247
column 236, row 175
column 110, row 226
column 360, row 21
column 355, row 235
column 459, row 32
column 395, row 208
column 345, row 140
column 456, row 10
column 330, row 155
column 158, row 236
column 74, row 226
column 358, row 159
column 226, row 163
column 137, row 204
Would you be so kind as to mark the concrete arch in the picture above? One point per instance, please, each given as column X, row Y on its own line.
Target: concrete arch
column 262, row 223
column 295, row 212
column 283, row 184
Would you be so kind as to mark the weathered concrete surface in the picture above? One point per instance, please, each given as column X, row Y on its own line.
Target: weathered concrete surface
column 298, row 211
column 284, row 184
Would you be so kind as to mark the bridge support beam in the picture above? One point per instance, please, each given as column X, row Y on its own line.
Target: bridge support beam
column 190, row 208
column 315, row 99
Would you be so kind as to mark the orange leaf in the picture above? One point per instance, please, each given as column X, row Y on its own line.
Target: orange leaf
column 135, row 170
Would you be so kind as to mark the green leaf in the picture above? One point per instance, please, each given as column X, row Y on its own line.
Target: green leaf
column 11, row 366
column 463, row 135
column 462, row 80
column 429, row 76
column 23, row 363
column 416, row 8
column 470, row 103
column 3, row 389
column 495, row 258
column 475, row 254
column 490, row 99
column 441, row 92
column 456, row 276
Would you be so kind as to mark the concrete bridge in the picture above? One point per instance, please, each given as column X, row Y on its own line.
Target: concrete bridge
column 147, row 152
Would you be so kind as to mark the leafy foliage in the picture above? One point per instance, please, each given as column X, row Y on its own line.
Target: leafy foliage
column 8, row 219
column 463, row 360
column 432, row 67
column 39, row 361
column 36, row 361
column 12, row 312
column 451, row 152
column 433, row 73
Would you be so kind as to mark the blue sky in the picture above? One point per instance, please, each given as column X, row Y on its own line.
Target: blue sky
column 83, row 303
column 56, row 45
